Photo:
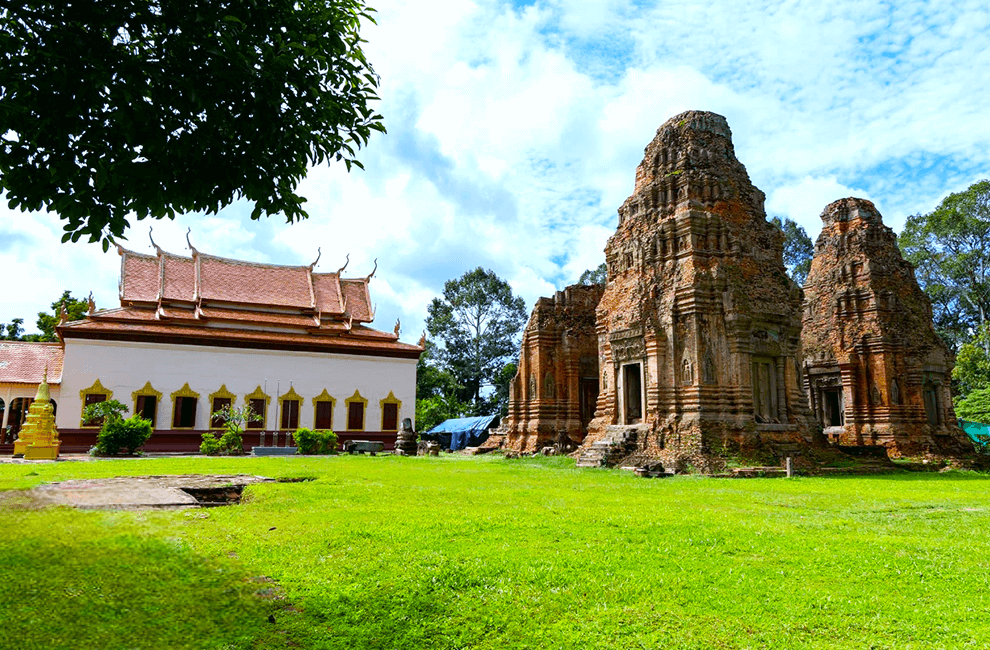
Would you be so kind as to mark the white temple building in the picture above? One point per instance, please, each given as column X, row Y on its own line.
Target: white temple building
column 193, row 334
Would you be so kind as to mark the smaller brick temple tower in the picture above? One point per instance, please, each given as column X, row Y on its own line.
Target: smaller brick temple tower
column 876, row 371
column 699, row 326
column 553, row 395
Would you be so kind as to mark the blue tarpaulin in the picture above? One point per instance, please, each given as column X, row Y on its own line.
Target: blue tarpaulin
column 974, row 429
column 464, row 432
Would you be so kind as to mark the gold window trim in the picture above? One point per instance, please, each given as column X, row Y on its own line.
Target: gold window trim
column 96, row 389
column 147, row 391
column 391, row 399
column 185, row 391
column 260, row 394
column 223, row 393
column 356, row 397
column 290, row 396
column 324, row 397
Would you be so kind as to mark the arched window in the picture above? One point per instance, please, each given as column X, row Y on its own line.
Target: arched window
column 390, row 412
column 146, row 403
column 289, row 407
column 184, row 402
column 323, row 411
column 356, row 407
column 93, row 395
column 258, row 401
column 218, row 400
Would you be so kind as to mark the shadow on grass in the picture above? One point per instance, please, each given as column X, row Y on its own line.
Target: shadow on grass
column 87, row 580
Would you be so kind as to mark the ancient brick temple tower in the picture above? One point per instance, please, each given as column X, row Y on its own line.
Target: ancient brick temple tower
column 552, row 398
column 699, row 327
column 876, row 371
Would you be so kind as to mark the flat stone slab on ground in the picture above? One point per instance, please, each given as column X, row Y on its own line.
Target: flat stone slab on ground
column 135, row 491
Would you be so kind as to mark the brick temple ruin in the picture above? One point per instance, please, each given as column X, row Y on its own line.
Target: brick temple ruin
column 553, row 396
column 876, row 371
column 694, row 349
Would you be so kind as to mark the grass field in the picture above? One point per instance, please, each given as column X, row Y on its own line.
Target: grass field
column 482, row 552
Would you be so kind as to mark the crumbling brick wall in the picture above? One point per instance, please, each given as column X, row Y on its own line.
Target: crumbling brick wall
column 876, row 370
column 552, row 397
column 699, row 326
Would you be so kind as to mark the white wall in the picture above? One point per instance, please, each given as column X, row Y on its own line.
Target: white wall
column 124, row 367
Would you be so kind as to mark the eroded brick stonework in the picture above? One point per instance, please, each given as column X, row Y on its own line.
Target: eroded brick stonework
column 699, row 326
column 552, row 397
column 876, row 370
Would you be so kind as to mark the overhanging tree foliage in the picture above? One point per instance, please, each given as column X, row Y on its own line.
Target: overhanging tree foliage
column 477, row 320
column 950, row 249
column 798, row 249
column 597, row 275
column 154, row 107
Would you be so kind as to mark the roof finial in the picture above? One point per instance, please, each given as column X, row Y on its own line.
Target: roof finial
column 346, row 262
column 373, row 271
column 398, row 327
column 422, row 340
column 350, row 321
column 63, row 315
column 319, row 253
column 191, row 247
column 92, row 304
column 157, row 248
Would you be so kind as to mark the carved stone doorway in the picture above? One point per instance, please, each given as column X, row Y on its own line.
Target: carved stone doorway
column 833, row 411
column 632, row 393
column 588, row 398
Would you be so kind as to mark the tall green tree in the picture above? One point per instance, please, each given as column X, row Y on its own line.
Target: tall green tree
column 950, row 249
column 437, row 391
column 798, row 248
column 597, row 275
column 12, row 331
column 477, row 320
column 154, row 107
column 74, row 309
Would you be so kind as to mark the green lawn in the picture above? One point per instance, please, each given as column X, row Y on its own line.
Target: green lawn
column 482, row 552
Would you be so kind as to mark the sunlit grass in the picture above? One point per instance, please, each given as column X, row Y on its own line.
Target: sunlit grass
column 484, row 552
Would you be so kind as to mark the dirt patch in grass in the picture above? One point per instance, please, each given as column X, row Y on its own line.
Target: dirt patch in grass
column 138, row 492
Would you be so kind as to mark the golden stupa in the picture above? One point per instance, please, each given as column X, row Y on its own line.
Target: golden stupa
column 38, row 439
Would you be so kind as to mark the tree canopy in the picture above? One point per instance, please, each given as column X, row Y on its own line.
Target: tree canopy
column 950, row 249
column 477, row 320
column 154, row 107
column 798, row 248
column 597, row 275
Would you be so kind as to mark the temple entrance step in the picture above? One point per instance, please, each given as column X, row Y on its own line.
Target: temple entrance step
column 619, row 441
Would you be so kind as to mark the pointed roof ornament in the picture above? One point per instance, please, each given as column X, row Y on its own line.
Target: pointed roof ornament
column 92, row 304
column 368, row 279
column 398, row 327
column 191, row 247
column 346, row 262
column 157, row 247
column 350, row 322
column 319, row 254
column 422, row 340
column 63, row 316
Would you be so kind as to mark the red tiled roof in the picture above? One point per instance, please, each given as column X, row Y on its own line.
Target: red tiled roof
column 357, row 299
column 180, row 278
column 326, row 286
column 298, row 320
column 260, row 284
column 139, row 277
column 357, row 341
column 24, row 363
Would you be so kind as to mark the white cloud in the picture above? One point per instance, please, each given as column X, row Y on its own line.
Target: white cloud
column 514, row 134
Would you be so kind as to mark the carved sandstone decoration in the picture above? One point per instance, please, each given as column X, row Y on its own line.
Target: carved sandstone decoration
column 560, row 350
column 699, row 326
column 876, row 371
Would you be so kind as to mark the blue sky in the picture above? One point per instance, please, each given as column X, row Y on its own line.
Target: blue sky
column 514, row 131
